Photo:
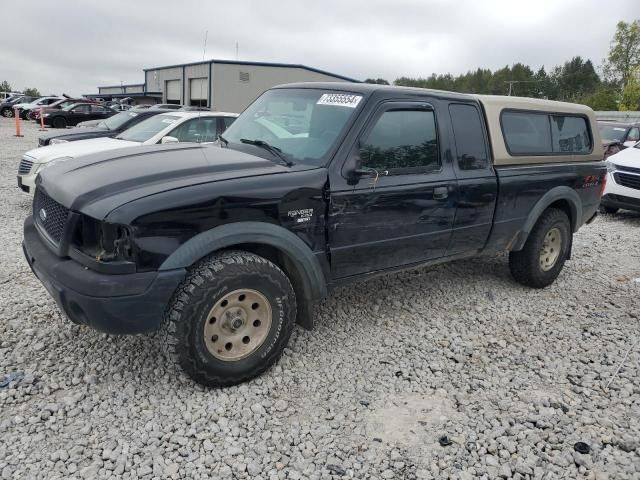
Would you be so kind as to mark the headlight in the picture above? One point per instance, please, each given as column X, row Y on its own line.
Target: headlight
column 611, row 167
column 102, row 241
column 58, row 140
column 53, row 162
column 46, row 114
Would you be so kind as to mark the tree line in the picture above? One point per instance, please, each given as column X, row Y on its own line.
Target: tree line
column 616, row 87
column 6, row 87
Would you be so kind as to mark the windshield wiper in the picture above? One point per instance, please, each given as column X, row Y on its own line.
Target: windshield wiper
column 275, row 151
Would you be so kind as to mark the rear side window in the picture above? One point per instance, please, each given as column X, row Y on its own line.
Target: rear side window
column 531, row 133
column 469, row 137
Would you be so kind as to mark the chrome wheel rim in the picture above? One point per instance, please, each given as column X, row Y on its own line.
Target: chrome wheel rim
column 551, row 247
column 237, row 325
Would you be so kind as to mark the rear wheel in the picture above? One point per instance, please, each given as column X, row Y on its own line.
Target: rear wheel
column 7, row 112
column 539, row 263
column 59, row 122
column 230, row 320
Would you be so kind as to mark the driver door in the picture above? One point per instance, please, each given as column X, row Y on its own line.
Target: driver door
column 401, row 206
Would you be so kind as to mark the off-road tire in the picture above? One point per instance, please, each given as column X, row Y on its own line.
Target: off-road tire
column 609, row 210
column 59, row 122
column 7, row 112
column 182, row 332
column 525, row 264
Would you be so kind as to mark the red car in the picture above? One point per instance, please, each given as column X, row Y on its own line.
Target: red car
column 35, row 113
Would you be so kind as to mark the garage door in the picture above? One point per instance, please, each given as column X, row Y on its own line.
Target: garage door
column 173, row 90
column 198, row 92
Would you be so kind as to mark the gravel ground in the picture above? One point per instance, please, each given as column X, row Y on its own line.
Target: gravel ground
column 514, row 377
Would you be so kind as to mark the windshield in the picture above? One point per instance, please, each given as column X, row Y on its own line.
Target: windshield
column 609, row 132
column 303, row 123
column 146, row 129
column 115, row 122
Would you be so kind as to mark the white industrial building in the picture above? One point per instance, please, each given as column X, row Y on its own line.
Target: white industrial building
column 223, row 85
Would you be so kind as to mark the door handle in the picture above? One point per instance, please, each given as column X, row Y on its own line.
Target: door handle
column 440, row 193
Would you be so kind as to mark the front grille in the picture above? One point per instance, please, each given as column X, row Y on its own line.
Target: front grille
column 628, row 169
column 627, row 180
column 25, row 166
column 50, row 215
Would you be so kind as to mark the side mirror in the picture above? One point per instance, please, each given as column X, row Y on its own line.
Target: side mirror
column 169, row 139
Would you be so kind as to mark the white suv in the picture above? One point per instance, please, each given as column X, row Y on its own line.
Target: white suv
column 623, row 181
column 197, row 127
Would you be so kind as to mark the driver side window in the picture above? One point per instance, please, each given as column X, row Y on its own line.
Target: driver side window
column 82, row 109
column 401, row 141
column 198, row 130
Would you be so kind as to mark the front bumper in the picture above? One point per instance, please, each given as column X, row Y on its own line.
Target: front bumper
column 120, row 304
column 620, row 201
column 619, row 196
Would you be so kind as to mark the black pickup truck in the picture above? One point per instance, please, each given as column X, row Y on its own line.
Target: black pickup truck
column 224, row 248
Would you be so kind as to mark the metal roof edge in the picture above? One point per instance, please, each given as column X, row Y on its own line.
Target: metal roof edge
column 258, row 64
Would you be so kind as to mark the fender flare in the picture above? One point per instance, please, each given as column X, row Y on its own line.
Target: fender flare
column 557, row 193
column 307, row 266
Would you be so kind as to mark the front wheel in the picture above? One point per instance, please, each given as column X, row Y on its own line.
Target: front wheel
column 539, row 263
column 7, row 112
column 231, row 318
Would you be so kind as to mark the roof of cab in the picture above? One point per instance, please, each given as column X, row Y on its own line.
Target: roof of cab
column 369, row 88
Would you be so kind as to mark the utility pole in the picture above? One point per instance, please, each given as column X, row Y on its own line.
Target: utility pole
column 237, row 46
column 512, row 82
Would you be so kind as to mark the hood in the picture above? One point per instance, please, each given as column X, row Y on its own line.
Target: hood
column 89, row 123
column 629, row 157
column 77, row 149
column 89, row 132
column 99, row 183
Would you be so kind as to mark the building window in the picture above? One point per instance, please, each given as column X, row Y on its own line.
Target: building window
column 198, row 92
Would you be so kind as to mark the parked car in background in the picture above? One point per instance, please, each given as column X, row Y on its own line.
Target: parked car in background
column 170, row 106
column 627, row 134
column 75, row 113
column 611, row 147
column 173, row 127
column 190, row 108
column 6, row 96
column 24, row 108
column 225, row 249
column 34, row 113
column 6, row 108
column 109, row 127
column 623, row 181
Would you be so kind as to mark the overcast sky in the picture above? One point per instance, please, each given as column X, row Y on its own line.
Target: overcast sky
column 74, row 46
